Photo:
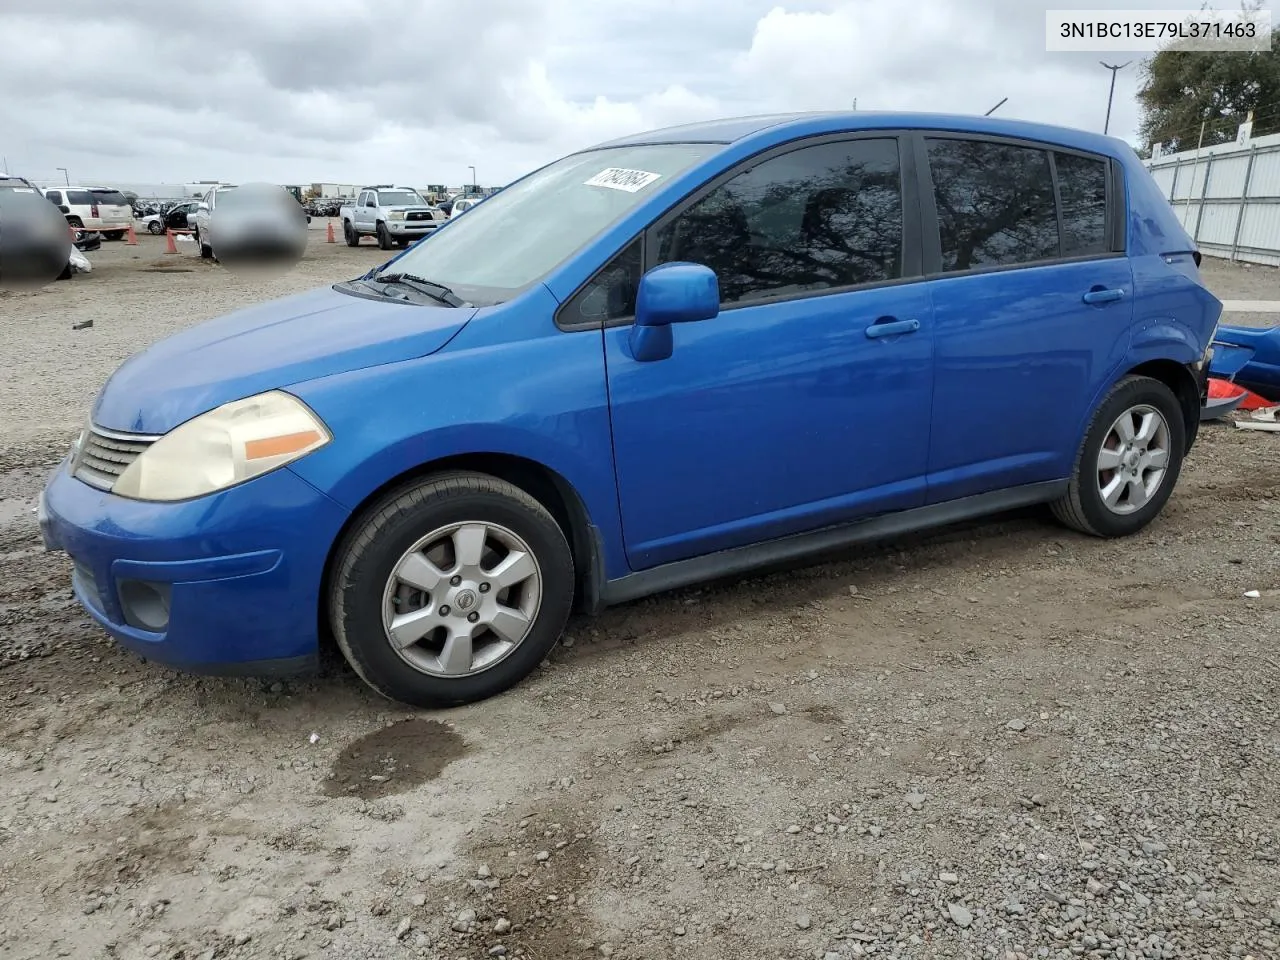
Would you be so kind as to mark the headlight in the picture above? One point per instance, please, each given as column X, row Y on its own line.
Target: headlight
column 228, row 445
column 395, row 215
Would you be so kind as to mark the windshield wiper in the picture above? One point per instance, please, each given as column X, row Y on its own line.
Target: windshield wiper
column 437, row 290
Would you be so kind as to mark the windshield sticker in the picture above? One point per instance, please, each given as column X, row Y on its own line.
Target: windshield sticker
column 618, row 178
column 23, row 190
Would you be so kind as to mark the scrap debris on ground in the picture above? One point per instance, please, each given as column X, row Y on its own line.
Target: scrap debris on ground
column 997, row 741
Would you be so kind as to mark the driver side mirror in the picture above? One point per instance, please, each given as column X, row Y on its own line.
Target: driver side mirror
column 671, row 293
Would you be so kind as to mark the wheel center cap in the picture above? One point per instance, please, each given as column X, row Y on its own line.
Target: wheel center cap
column 464, row 601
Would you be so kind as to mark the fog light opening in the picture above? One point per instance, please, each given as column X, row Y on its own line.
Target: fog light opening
column 145, row 605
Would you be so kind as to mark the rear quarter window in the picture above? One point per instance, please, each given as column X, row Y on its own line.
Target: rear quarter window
column 81, row 198
column 1082, row 191
column 111, row 197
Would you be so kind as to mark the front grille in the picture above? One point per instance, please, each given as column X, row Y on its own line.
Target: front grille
column 103, row 456
column 418, row 215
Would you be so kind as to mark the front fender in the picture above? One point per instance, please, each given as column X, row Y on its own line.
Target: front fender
column 541, row 399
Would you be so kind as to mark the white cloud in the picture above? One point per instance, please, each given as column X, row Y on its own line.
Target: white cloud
column 419, row 90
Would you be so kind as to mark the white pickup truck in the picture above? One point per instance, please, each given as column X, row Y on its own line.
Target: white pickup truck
column 397, row 216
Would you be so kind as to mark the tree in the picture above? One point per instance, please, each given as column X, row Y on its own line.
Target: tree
column 1181, row 89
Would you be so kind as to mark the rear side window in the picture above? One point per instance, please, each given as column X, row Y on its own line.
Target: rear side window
column 111, row 197
column 821, row 217
column 995, row 203
column 54, row 196
column 81, row 198
column 1082, row 193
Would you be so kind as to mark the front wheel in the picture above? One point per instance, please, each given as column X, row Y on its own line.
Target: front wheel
column 1129, row 462
column 450, row 591
column 349, row 234
column 384, row 238
column 155, row 227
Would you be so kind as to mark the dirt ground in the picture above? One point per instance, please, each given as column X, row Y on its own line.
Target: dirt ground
column 999, row 741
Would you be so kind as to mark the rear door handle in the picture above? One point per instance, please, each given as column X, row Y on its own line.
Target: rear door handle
column 888, row 327
column 1102, row 295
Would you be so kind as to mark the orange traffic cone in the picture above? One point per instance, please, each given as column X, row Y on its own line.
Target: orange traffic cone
column 170, row 246
column 132, row 238
column 330, row 238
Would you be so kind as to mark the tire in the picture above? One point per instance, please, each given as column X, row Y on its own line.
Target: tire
column 66, row 273
column 155, row 227
column 349, row 234
column 384, row 238
column 115, row 235
column 363, row 586
column 1083, row 507
column 206, row 251
column 76, row 222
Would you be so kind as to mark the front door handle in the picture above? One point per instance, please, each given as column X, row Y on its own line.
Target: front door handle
column 1102, row 295
column 889, row 327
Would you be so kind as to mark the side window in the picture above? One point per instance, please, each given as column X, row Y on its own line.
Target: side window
column 80, row 198
column 820, row 217
column 995, row 203
column 54, row 197
column 610, row 294
column 1082, row 192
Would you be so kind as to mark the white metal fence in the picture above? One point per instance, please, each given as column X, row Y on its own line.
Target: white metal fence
column 1227, row 197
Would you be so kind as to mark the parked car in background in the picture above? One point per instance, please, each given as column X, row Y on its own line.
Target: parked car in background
column 673, row 357
column 463, row 204
column 94, row 208
column 397, row 216
column 173, row 218
column 257, row 219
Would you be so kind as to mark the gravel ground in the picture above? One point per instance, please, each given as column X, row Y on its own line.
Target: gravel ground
column 998, row 741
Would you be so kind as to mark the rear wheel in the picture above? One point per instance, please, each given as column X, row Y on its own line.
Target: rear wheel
column 1129, row 462
column 451, row 590
column 206, row 251
column 76, row 222
column 115, row 235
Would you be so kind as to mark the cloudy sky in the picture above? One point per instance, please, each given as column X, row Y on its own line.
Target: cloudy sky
column 296, row 91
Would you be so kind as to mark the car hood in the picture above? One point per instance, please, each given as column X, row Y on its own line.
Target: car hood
column 407, row 207
column 264, row 347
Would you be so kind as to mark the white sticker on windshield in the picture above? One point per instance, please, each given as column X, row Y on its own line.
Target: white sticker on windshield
column 23, row 190
column 618, row 178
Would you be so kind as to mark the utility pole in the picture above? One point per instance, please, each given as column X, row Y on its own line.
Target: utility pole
column 65, row 176
column 1106, row 126
column 473, row 179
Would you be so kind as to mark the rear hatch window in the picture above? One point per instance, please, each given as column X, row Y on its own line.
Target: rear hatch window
column 110, row 198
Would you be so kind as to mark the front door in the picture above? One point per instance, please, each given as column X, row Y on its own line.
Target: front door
column 1032, row 308
column 806, row 402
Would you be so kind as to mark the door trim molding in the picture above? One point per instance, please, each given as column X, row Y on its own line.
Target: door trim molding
column 727, row 563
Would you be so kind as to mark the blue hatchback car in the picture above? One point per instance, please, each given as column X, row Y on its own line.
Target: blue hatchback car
column 666, row 359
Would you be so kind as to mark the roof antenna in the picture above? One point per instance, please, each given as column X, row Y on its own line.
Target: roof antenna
column 996, row 107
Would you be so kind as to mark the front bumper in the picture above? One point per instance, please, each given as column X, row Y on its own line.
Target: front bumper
column 411, row 228
column 223, row 584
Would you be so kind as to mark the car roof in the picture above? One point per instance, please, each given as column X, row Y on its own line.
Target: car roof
column 785, row 126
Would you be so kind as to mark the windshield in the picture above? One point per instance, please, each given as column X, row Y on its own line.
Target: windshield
column 518, row 236
column 398, row 198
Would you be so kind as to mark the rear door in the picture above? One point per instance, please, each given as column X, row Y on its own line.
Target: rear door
column 1033, row 305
